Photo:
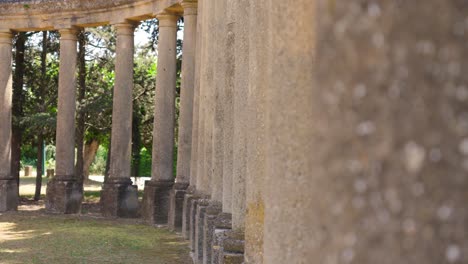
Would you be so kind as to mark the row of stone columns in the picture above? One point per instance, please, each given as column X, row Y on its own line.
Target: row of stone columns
column 235, row 115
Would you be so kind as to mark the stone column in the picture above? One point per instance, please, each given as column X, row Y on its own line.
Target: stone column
column 223, row 223
column 396, row 98
column 157, row 191
column 241, row 113
column 8, row 185
column 65, row 191
column 119, row 197
column 260, row 46
column 186, row 116
column 194, row 157
column 233, row 244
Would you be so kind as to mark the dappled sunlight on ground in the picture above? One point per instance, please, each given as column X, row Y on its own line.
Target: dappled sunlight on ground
column 36, row 237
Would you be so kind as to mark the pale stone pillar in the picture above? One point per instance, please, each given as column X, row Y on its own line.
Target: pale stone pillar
column 223, row 223
column 186, row 116
column 367, row 138
column 194, row 157
column 228, row 132
column 8, row 185
column 259, row 46
column 59, row 197
column 157, row 191
column 218, row 59
column 119, row 196
column 241, row 114
column 204, row 182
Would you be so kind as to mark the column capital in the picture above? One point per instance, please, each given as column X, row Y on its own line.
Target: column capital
column 6, row 37
column 125, row 28
column 69, row 33
column 167, row 19
column 190, row 7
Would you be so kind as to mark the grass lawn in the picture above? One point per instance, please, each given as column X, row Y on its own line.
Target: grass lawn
column 32, row 236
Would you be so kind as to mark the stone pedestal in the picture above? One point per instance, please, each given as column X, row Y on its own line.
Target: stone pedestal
column 233, row 248
column 211, row 214
column 201, row 206
column 222, row 227
column 119, row 198
column 192, row 218
column 156, row 201
column 176, row 206
column 188, row 198
column 64, row 196
column 8, row 195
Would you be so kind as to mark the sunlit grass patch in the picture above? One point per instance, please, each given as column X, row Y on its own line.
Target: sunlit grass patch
column 29, row 238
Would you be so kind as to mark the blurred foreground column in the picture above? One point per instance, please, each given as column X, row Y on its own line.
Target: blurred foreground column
column 367, row 133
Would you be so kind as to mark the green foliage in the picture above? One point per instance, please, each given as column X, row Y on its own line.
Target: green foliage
column 145, row 163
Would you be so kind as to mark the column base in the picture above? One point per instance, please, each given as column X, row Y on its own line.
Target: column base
column 8, row 195
column 188, row 198
column 192, row 218
column 119, row 198
column 64, row 195
column 156, row 201
column 223, row 225
column 199, row 230
column 233, row 248
column 176, row 206
column 211, row 214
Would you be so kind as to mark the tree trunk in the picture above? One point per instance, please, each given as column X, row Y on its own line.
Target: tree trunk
column 40, row 156
column 18, row 102
column 42, row 108
column 81, row 115
column 106, row 175
column 136, row 143
column 90, row 151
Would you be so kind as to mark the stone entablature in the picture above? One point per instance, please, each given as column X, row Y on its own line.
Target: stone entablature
column 49, row 14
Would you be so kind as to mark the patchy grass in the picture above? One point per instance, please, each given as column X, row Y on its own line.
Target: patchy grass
column 34, row 237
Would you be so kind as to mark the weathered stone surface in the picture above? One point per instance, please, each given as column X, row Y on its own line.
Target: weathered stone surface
column 8, row 195
column 241, row 113
column 176, row 206
column 188, row 198
column 119, row 198
column 64, row 196
column 211, row 214
column 193, row 215
column 223, row 225
column 155, row 209
column 201, row 206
